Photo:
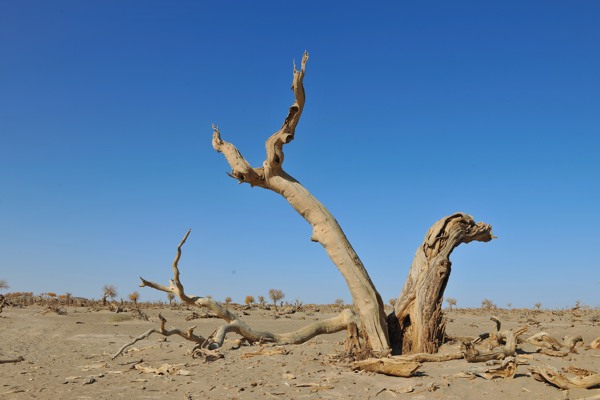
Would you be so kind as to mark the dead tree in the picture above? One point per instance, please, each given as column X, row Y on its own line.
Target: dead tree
column 416, row 325
column 325, row 228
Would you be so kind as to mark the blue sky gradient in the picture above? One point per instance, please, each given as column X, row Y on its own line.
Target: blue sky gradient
column 415, row 110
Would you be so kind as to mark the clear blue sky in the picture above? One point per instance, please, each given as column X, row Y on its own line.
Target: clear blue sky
column 414, row 111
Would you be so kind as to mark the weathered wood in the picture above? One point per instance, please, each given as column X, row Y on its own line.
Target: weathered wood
column 326, row 230
column 595, row 343
column 506, row 370
column 387, row 366
column 417, row 324
column 233, row 322
column 543, row 339
column 426, row 357
column 572, row 341
column 559, row 379
column 509, row 350
column 188, row 335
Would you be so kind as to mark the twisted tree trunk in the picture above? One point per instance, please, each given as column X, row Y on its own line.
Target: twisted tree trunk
column 326, row 230
column 417, row 324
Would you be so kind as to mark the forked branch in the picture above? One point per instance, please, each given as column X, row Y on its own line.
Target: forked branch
column 233, row 322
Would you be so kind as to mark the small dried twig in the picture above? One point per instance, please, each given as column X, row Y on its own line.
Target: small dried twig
column 12, row 360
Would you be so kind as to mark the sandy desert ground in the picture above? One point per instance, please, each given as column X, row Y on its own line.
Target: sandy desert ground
column 69, row 357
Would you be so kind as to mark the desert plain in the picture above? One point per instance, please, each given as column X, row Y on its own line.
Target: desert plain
column 69, row 355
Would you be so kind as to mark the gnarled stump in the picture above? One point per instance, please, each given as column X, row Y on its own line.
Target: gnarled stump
column 417, row 325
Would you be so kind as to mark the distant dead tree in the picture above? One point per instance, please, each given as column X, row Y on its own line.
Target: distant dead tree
column 170, row 297
column 249, row 300
column 261, row 301
column 227, row 301
column 108, row 291
column 3, row 284
column 276, row 295
column 537, row 306
column 487, row 304
column 135, row 296
column 416, row 324
column 451, row 302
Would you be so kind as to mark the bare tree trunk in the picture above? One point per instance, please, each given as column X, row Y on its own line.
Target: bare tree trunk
column 417, row 325
column 326, row 230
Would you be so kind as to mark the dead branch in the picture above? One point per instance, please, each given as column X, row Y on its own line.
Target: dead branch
column 387, row 366
column 509, row 350
column 571, row 341
column 550, row 346
column 426, row 357
column 562, row 381
column 543, row 339
column 595, row 343
column 233, row 322
column 12, row 360
column 507, row 369
column 266, row 352
column 188, row 335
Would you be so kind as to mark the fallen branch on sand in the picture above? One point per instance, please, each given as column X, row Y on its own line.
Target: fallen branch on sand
column 473, row 355
column 12, row 360
column 387, row 366
column 233, row 322
column 506, row 370
column 189, row 335
column 562, row 381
